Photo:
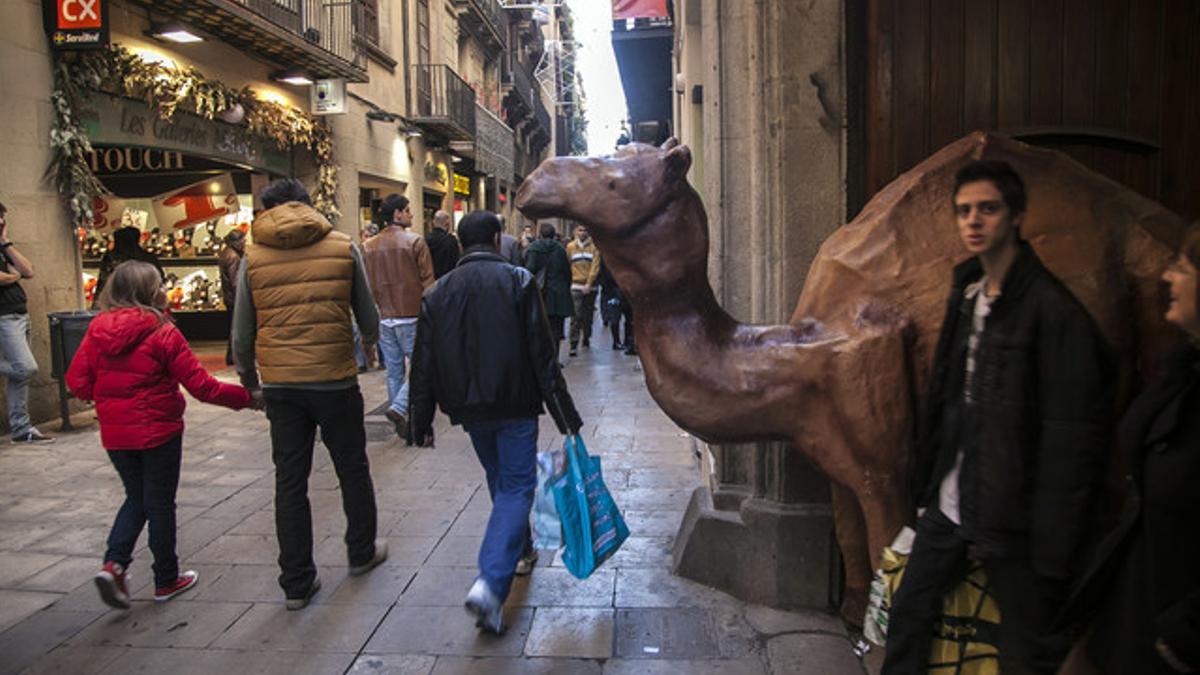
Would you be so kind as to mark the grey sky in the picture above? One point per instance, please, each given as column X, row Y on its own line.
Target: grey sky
column 598, row 67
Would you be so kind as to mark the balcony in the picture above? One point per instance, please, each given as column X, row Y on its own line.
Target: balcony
column 443, row 103
column 523, row 103
column 486, row 21
column 320, row 36
column 493, row 151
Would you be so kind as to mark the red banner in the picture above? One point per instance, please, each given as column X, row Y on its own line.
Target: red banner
column 639, row 9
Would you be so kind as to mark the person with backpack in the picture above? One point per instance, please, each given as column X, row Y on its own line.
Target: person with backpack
column 131, row 362
column 547, row 260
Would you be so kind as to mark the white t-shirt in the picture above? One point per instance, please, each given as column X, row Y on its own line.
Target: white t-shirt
column 948, row 491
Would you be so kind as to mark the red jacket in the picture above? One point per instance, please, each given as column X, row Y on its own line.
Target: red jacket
column 131, row 364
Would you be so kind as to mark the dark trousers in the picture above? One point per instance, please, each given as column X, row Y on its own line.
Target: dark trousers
column 151, row 478
column 937, row 563
column 615, row 327
column 295, row 415
column 581, row 320
column 229, row 342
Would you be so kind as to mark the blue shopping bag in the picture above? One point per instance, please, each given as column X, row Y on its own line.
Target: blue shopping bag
column 592, row 527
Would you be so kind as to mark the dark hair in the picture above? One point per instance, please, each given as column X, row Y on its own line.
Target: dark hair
column 547, row 231
column 1000, row 174
column 389, row 206
column 234, row 236
column 126, row 239
column 283, row 191
column 3, row 209
column 134, row 284
column 478, row 228
column 1189, row 247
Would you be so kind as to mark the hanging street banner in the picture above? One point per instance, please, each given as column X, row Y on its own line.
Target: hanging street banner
column 196, row 203
column 76, row 24
column 639, row 9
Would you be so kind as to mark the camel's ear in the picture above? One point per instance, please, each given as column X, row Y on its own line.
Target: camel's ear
column 678, row 160
column 670, row 143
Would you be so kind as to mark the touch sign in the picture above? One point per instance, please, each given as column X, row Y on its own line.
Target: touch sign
column 76, row 24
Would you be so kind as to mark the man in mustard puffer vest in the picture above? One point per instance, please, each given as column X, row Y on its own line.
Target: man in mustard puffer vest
column 585, row 267
column 299, row 283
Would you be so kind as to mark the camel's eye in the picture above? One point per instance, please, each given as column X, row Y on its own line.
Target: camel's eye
column 612, row 185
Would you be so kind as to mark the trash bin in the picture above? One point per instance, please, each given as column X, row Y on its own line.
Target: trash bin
column 66, row 333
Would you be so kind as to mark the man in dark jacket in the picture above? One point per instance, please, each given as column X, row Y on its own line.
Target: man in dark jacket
column 1014, row 439
column 443, row 247
column 547, row 260
column 491, row 371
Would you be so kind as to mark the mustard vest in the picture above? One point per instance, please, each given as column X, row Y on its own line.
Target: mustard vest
column 302, row 298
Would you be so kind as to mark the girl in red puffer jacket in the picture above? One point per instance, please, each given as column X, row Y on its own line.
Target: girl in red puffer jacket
column 131, row 363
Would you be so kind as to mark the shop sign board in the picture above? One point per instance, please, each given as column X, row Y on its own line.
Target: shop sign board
column 110, row 120
column 197, row 203
column 462, row 185
column 76, row 24
column 328, row 97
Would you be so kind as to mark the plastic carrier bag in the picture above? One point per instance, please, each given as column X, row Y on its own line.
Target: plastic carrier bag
column 547, row 527
column 592, row 526
column 964, row 636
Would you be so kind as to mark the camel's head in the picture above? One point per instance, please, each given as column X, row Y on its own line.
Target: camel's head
column 610, row 193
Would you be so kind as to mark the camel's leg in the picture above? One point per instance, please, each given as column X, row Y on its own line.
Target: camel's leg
column 850, row 528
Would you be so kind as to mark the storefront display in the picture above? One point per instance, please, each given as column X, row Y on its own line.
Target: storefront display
column 183, row 205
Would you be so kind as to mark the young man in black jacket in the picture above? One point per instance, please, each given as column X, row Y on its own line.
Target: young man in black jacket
column 1014, row 439
column 492, row 370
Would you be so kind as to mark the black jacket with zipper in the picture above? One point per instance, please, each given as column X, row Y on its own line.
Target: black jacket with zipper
column 1036, row 437
column 483, row 349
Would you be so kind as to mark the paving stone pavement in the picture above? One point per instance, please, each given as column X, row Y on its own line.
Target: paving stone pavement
column 631, row 616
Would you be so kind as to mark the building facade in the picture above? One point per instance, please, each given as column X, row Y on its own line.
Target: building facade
column 357, row 98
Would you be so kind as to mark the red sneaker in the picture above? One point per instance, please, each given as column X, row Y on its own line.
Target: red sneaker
column 182, row 583
column 110, row 581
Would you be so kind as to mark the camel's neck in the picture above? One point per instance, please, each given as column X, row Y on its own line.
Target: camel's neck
column 662, row 268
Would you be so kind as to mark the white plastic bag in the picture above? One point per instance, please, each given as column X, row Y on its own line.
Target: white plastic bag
column 547, row 527
column 883, row 585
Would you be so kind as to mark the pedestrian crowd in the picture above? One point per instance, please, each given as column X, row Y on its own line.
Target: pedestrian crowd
column 1010, row 455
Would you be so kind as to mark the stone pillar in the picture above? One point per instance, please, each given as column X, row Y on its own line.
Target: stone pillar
column 761, row 527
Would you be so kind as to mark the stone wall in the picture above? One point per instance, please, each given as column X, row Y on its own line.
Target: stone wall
column 773, row 143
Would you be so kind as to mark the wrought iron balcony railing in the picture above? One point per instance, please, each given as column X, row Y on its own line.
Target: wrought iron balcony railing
column 316, row 35
column 443, row 102
column 487, row 20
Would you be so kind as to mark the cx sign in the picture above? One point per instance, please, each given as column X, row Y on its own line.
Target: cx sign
column 78, row 13
column 76, row 24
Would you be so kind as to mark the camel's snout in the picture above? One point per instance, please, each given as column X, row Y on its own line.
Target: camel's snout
column 537, row 196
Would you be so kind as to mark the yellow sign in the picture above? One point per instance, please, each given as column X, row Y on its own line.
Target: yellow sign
column 462, row 185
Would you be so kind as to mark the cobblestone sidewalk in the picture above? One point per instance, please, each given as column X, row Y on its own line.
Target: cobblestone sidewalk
column 631, row 616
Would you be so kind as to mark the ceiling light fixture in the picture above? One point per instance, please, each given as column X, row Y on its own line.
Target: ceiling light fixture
column 176, row 32
column 294, row 76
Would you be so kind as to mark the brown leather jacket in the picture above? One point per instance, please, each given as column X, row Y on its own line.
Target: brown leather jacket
column 229, row 261
column 399, row 269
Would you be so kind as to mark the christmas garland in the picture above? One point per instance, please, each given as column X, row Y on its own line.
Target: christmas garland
column 166, row 89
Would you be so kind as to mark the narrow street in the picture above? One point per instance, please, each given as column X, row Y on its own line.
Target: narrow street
column 631, row 616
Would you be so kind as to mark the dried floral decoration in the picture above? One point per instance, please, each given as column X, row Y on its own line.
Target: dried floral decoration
column 166, row 89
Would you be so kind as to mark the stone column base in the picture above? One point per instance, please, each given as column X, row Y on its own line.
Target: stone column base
column 766, row 553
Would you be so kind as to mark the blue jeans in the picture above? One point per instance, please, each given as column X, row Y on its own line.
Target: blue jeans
column 17, row 367
column 151, row 478
column 396, row 344
column 507, row 449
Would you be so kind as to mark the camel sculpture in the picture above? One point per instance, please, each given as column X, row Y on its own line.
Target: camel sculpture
column 844, row 382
